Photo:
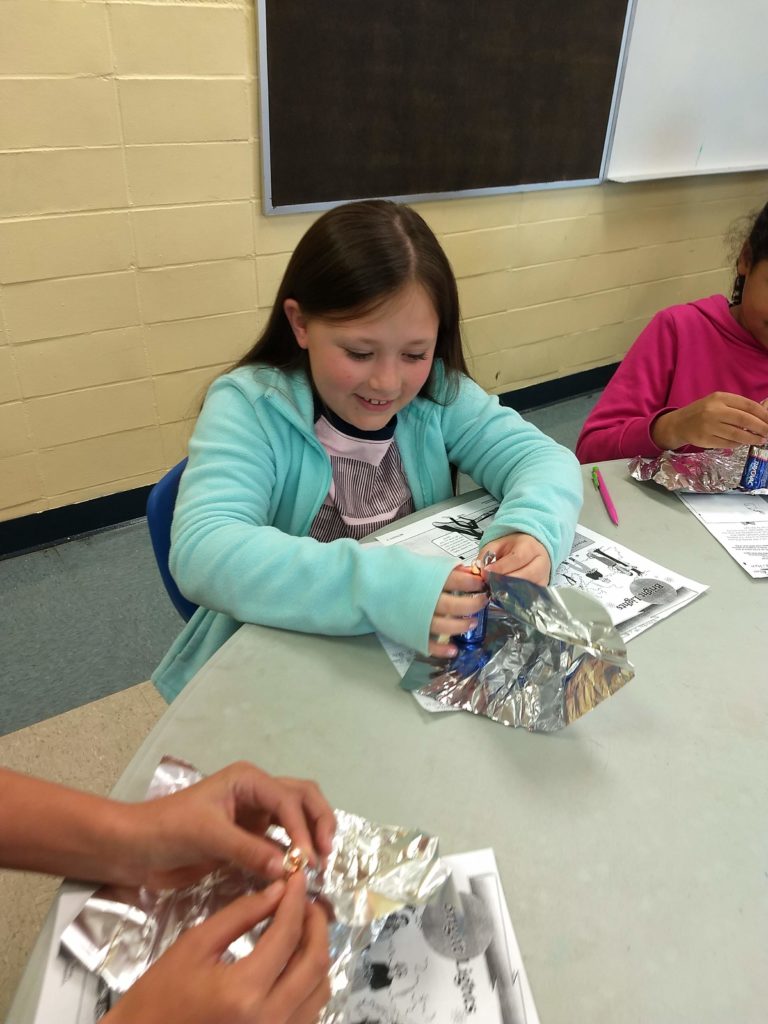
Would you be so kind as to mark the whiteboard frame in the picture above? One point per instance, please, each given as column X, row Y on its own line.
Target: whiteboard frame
column 270, row 209
column 704, row 171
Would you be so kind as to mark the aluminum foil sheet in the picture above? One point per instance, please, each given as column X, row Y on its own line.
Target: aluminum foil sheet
column 550, row 655
column 709, row 471
column 372, row 871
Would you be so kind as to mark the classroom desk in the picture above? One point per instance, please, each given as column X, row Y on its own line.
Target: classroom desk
column 631, row 845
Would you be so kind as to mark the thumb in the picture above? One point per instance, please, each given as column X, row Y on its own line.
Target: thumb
column 215, row 934
column 254, row 853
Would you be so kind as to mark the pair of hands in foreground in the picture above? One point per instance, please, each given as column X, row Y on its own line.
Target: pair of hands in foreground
column 464, row 595
column 222, row 820
column 174, row 841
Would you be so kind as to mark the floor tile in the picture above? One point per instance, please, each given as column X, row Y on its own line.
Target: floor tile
column 80, row 620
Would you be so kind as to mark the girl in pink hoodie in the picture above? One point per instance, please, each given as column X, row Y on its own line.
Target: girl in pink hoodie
column 695, row 376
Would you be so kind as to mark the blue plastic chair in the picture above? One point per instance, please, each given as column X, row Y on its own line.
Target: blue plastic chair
column 160, row 504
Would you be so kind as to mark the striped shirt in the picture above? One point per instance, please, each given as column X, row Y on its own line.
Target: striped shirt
column 368, row 488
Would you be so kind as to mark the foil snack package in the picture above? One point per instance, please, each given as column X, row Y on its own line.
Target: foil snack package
column 710, row 471
column 549, row 656
column 372, row 871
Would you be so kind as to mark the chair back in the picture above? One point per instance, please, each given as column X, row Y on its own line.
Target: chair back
column 160, row 505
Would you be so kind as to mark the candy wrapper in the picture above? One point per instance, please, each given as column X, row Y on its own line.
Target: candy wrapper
column 710, row 471
column 549, row 656
column 372, row 871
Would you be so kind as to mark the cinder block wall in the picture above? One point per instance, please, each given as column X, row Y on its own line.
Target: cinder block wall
column 135, row 262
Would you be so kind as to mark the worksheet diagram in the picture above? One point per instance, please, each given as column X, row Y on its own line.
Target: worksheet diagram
column 739, row 522
column 637, row 592
column 454, row 961
column 456, row 531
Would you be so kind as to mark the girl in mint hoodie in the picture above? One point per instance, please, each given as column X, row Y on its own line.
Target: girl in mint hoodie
column 350, row 411
column 695, row 376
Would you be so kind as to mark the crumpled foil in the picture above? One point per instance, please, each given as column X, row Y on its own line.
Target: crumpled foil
column 372, row 871
column 549, row 656
column 709, row 471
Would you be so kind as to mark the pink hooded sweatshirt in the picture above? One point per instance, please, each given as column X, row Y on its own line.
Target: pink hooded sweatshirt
column 686, row 352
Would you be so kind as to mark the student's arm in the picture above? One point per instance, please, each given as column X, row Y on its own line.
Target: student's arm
column 620, row 425
column 160, row 843
column 537, row 481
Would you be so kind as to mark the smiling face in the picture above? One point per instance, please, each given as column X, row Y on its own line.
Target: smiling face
column 752, row 311
column 369, row 368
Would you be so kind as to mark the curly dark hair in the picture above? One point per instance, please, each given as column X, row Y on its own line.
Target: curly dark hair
column 754, row 248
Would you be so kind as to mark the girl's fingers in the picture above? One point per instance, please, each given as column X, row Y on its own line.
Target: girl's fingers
column 455, row 606
column 284, row 804
column 318, row 810
column 449, row 625
column 743, row 421
column 215, row 934
column 463, row 580
column 755, row 409
column 536, row 571
column 456, row 613
column 310, row 1009
column 442, row 650
column 515, row 564
column 727, row 436
column 307, row 969
column 509, row 564
column 281, row 939
column 253, row 852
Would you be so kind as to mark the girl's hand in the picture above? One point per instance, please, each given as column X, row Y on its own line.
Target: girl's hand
column 720, row 420
column 519, row 554
column 175, row 840
column 463, row 595
column 283, row 981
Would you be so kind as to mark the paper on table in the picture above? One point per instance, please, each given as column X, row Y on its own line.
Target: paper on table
column 455, row 531
column 423, row 970
column 739, row 522
column 637, row 592
column 70, row 994
column 408, row 974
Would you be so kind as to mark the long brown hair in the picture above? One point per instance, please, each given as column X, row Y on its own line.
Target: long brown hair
column 351, row 261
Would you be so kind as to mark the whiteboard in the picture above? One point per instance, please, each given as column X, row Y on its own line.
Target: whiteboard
column 694, row 95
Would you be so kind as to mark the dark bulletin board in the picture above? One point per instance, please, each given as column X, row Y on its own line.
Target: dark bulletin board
column 415, row 97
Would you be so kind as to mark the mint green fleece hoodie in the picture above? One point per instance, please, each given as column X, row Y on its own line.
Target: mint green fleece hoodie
column 257, row 476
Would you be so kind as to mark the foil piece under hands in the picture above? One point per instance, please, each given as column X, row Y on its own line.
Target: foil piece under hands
column 372, row 871
column 549, row 656
column 709, row 471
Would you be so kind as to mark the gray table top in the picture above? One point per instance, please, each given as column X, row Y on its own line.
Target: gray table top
column 631, row 845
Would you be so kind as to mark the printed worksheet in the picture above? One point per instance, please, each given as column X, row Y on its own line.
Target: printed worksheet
column 456, row 531
column 70, row 994
column 454, row 961
column 637, row 592
column 739, row 521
